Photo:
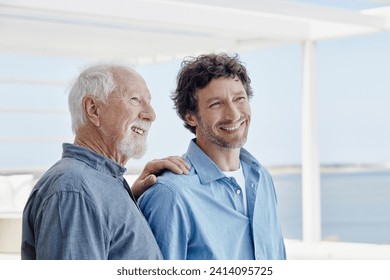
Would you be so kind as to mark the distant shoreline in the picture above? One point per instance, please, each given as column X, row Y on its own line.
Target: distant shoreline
column 331, row 168
column 277, row 169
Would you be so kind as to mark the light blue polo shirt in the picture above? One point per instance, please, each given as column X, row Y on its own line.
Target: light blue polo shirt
column 202, row 215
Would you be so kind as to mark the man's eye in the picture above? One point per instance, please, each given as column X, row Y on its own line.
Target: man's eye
column 135, row 101
column 215, row 104
column 241, row 98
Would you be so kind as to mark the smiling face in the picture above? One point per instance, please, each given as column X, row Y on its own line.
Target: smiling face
column 127, row 115
column 223, row 116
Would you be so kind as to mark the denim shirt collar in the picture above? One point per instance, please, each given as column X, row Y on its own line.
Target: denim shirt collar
column 207, row 170
column 93, row 159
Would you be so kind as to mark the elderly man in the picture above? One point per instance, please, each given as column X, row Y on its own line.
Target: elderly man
column 82, row 207
column 225, row 208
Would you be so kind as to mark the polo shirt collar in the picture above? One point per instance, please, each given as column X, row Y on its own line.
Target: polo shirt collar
column 207, row 170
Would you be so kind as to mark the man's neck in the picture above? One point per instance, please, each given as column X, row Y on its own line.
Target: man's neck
column 225, row 158
column 94, row 142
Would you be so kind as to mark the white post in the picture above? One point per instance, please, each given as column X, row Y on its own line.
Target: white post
column 311, row 196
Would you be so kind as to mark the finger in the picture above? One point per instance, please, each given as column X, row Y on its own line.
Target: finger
column 148, row 182
column 176, row 165
column 180, row 163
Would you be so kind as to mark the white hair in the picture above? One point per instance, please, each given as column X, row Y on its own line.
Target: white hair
column 96, row 80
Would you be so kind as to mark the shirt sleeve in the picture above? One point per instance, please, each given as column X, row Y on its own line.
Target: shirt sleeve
column 168, row 219
column 70, row 227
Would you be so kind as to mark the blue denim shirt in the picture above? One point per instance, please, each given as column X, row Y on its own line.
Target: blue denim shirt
column 80, row 209
column 201, row 215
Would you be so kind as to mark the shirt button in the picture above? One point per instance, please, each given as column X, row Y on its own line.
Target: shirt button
column 238, row 191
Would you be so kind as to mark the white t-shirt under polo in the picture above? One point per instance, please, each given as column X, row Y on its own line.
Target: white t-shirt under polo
column 238, row 175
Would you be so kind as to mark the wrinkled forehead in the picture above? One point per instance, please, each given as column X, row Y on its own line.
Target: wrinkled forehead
column 128, row 81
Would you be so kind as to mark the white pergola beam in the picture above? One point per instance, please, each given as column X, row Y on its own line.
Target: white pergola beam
column 161, row 17
column 132, row 29
column 383, row 12
column 288, row 9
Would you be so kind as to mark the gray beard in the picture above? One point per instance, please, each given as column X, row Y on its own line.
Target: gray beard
column 132, row 145
column 132, row 148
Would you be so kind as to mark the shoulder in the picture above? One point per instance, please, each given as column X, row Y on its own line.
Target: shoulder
column 157, row 200
column 66, row 175
column 166, row 186
column 169, row 188
column 171, row 180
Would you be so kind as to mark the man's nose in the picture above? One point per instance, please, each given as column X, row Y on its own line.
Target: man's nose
column 232, row 112
column 147, row 113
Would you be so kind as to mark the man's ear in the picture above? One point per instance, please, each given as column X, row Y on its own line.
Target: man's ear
column 191, row 119
column 91, row 109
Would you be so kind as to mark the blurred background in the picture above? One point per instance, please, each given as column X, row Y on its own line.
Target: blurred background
column 320, row 74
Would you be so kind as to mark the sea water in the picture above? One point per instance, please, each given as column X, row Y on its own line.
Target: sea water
column 355, row 206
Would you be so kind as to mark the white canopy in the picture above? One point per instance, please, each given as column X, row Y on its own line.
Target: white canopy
column 155, row 30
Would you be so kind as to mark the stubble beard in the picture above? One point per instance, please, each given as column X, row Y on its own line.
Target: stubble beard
column 208, row 133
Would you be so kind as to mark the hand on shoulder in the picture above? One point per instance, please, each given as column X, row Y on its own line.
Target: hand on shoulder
column 155, row 167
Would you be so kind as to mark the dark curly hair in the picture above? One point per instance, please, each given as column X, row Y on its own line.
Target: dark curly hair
column 196, row 73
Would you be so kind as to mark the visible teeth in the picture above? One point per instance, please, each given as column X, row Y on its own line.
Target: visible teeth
column 231, row 128
column 138, row 130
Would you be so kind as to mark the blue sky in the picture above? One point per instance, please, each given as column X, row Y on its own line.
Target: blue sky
column 353, row 101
